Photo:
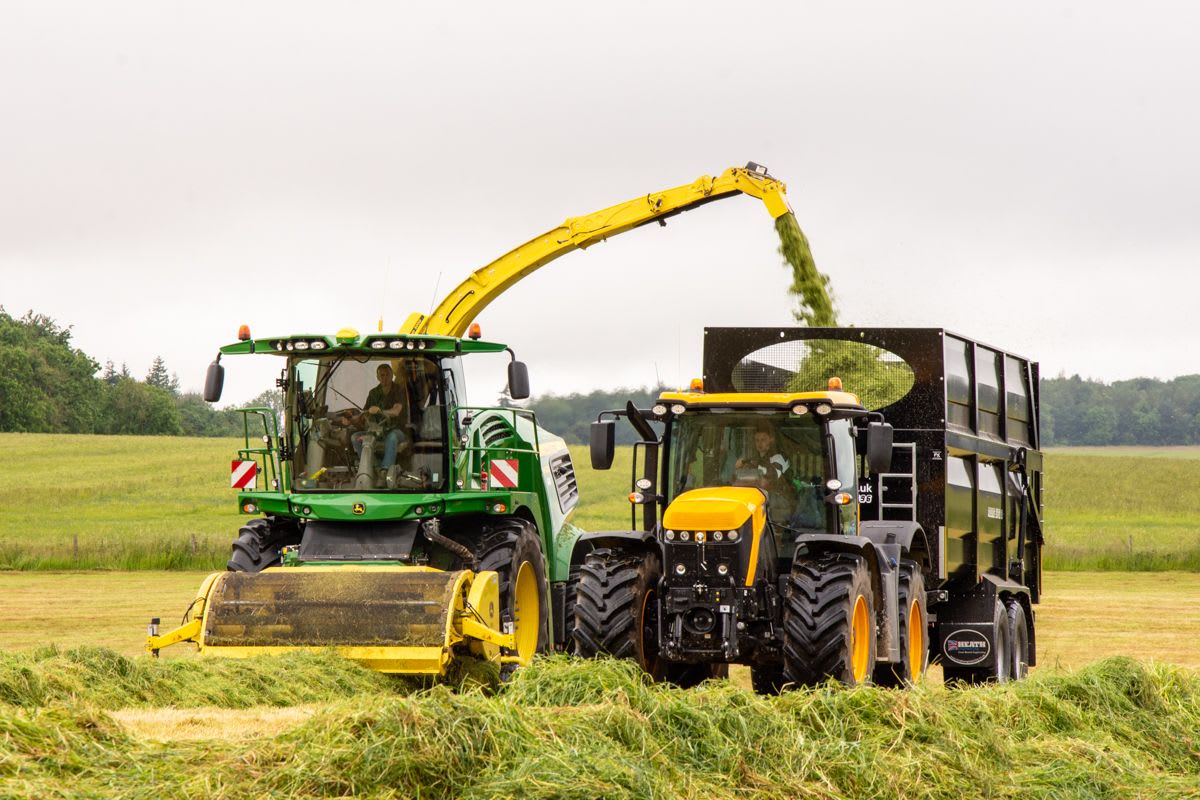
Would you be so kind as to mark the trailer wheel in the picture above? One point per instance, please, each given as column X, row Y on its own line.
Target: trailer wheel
column 1000, row 660
column 1018, row 625
column 914, row 630
column 616, row 607
column 829, row 622
column 513, row 550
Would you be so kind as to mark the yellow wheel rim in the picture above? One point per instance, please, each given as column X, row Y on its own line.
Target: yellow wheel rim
column 916, row 641
column 860, row 639
column 527, row 612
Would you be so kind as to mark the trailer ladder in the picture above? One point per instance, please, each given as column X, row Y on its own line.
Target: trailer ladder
column 900, row 483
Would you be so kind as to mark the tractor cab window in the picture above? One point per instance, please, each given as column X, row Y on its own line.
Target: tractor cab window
column 367, row 423
column 783, row 454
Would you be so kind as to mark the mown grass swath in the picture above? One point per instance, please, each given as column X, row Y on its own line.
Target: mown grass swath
column 564, row 728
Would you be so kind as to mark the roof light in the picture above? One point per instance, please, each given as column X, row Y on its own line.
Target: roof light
column 279, row 345
column 396, row 344
column 301, row 345
column 421, row 345
column 318, row 345
column 823, row 409
column 378, row 344
column 412, row 345
column 474, row 332
column 697, row 385
column 243, row 333
column 659, row 410
column 678, row 408
column 835, row 384
column 799, row 409
column 291, row 346
column 644, row 483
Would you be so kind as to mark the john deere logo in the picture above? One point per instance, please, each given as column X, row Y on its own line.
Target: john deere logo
column 360, row 508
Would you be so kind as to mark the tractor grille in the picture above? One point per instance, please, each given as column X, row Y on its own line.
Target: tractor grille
column 351, row 607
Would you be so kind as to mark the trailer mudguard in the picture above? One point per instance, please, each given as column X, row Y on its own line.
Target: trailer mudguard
column 914, row 545
column 882, row 561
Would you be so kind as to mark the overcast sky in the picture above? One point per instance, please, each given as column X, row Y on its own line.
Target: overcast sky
column 1026, row 174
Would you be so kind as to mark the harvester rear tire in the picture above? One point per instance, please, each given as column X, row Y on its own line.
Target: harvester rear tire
column 914, row 619
column 616, row 607
column 1018, row 626
column 829, row 622
column 506, row 545
column 258, row 543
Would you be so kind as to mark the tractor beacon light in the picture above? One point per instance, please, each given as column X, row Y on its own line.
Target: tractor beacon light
column 835, row 384
column 243, row 333
column 474, row 332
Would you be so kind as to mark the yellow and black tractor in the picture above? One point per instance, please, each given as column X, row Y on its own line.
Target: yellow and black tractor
column 787, row 525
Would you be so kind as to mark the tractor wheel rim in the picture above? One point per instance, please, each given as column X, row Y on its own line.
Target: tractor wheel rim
column 860, row 642
column 916, row 641
column 527, row 612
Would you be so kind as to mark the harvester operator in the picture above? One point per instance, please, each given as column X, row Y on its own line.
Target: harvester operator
column 386, row 399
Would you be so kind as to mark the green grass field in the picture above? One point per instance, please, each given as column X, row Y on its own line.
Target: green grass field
column 120, row 502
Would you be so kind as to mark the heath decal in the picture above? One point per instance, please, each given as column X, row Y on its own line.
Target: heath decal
column 966, row 647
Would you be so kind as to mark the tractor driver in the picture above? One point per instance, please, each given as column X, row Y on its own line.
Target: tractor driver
column 386, row 399
column 766, row 457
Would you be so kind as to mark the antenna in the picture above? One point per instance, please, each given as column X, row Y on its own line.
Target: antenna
column 433, row 299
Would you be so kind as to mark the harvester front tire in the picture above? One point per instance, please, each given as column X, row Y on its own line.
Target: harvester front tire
column 258, row 543
column 829, row 622
column 504, row 548
column 914, row 630
column 616, row 607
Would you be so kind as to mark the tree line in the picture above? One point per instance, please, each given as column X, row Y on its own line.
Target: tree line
column 47, row 385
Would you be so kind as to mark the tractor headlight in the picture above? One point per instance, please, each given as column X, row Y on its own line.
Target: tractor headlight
column 733, row 536
column 699, row 537
column 722, row 569
column 669, row 536
column 717, row 536
column 684, row 536
column 680, row 569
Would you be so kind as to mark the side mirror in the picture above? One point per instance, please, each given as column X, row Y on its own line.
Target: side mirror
column 604, row 443
column 518, row 380
column 879, row 446
column 214, row 381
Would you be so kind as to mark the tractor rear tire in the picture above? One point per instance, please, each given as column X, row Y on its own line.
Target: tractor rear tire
column 914, row 630
column 616, row 607
column 998, row 668
column 505, row 547
column 258, row 543
column 1018, row 626
column 829, row 622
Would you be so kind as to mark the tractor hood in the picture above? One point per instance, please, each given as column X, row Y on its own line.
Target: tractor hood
column 716, row 508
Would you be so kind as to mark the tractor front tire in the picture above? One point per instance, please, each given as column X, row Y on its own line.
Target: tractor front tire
column 513, row 550
column 914, row 630
column 616, row 607
column 829, row 621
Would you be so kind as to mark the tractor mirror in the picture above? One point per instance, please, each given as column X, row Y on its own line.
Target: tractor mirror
column 604, row 442
column 214, row 381
column 518, row 380
column 879, row 446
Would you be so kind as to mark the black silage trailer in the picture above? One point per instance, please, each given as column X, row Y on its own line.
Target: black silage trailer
column 967, row 460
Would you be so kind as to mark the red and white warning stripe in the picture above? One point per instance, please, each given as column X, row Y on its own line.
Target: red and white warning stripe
column 244, row 475
column 504, row 473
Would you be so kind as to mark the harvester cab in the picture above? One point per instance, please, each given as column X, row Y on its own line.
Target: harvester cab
column 786, row 525
column 391, row 520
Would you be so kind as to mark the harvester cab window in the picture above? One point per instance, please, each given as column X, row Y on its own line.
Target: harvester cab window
column 367, row 423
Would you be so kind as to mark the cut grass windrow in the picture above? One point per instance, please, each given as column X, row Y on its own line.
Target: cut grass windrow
column 565, row 728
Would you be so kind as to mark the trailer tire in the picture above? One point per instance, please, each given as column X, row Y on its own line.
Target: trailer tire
column 1018, row 625
column 829, row 621
column 258, row 542
column 1000, row 659
column 914, row 630
column 505, row 548
column 616, row 607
